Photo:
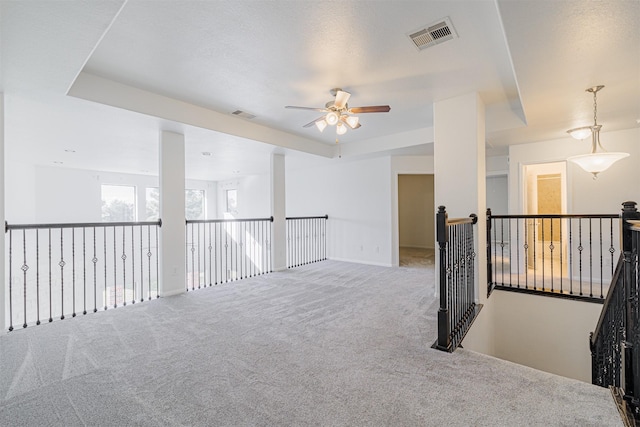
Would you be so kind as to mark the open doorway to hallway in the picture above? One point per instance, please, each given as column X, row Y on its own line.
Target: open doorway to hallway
column 416, row 220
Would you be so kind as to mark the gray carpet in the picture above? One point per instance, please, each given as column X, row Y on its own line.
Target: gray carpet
column 331, row 344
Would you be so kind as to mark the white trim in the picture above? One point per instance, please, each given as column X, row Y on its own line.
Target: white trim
column 357, row 261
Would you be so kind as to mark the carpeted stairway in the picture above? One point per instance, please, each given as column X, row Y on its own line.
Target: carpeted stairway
column 328, row 344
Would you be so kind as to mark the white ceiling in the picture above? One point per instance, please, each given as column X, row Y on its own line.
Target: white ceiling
column 103, row 78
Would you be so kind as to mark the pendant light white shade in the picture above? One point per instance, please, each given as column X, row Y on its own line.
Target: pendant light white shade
column 580, row 133
column 597, row 162
column 341, row 129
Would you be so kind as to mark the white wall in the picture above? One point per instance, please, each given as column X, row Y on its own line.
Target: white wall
column 550, row 334
column 54, row 194
column 585, row 195
column 357, row 197
column 254, row 195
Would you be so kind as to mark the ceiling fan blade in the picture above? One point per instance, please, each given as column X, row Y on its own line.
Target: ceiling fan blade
column 341, row 99
column 322, row 110
column 308, row 125
column 370, row 109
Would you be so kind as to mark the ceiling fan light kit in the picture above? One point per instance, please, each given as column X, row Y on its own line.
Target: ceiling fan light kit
column 596, row 161
column 338, row 113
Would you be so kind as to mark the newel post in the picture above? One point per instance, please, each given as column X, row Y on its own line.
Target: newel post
column 629, row 211
column 444, row 326
column 489, row 257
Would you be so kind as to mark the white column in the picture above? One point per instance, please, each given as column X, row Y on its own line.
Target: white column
column 278, row 211
column 3, row 289
column 460, row 186
column 172, row 213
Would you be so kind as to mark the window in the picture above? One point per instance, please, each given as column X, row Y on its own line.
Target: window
column 232, row 200
column 152, row 203
column 118, row 203
column 194, row 204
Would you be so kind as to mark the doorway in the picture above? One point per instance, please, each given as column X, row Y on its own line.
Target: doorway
column 544, row 194
column 416, row 220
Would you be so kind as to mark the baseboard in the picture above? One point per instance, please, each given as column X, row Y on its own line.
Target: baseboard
column 417, row 247
column 356, row 261
column 173, row 293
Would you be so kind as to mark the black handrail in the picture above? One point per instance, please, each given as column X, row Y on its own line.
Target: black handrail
column 8, row 227
column 217, row 221
column 308, row 217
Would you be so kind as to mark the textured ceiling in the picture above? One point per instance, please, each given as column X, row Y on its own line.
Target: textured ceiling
column 529, row 60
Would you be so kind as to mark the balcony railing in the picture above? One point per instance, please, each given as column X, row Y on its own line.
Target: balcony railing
column 224, row 250
column 306, row 240
column 559, row 255
column 59, row 270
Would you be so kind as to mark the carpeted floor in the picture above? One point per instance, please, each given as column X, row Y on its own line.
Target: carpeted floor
column 328, row 344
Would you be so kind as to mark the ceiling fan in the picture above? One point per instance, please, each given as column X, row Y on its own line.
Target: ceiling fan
column 339, row 114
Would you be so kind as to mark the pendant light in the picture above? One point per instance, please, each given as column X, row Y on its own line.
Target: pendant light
column 596, row 161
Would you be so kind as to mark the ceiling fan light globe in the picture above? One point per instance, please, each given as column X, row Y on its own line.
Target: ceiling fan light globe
column 332, row 118
column 352, row 121
column 321, row 124
column 341, row 129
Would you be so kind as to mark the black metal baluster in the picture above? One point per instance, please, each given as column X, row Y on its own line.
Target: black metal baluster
column 518, row 250
column 226, row 253
column 133, row 266
column 590, row 260
column 199, row 269
column 73, row 269
column 561, row 258
column 157, row 228
column 106, row 293
column 502, row 250
column 50, row 291
column 270, row 264
column 61, row 264
column 38, row 276
column 149, row 261
column 10, row 280
column 186, row 256
column 216, row 253
column 193, row 261
column 124, row 265
column 24, row 268
column 141, row 264
column 115, row 269
column 94, row 260
column 526, row 253
column 542, row 254
column 611, row 248
column 535, row 243
column 601, row 260
column 210, row 256
column 510, row 253
column 551, row 248
column 570, row 257
column 84, row 270
column 580, row 248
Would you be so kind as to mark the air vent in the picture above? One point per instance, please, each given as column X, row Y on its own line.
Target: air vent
column 436, row 33
column 243, row 114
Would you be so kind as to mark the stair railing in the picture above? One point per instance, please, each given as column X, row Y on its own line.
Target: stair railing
column 458, row 307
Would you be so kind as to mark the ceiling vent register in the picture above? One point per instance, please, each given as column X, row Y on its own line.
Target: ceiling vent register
column 243, row 114
column 434, row 34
